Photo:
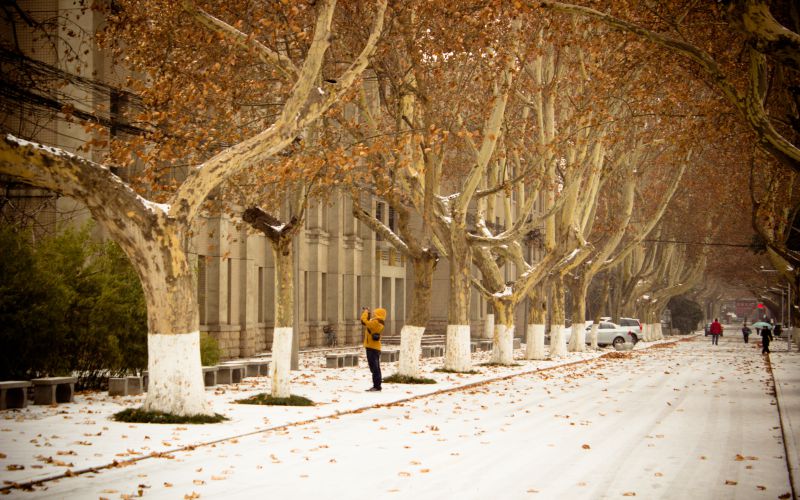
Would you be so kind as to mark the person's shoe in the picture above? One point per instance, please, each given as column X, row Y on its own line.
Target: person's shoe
column 374, row 389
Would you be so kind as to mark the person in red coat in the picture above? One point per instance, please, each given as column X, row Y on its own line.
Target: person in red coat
column 715, row 330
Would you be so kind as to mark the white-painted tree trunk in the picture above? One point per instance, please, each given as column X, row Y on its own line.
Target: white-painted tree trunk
column 593, row 336
column 534, row 342
column 458, row 356
column 648, row 332
column 503, row 348
column 488, row 327
column 577, row 340
column 558, row 345
column 410, row 350
column 281, row 364
column 176, row 376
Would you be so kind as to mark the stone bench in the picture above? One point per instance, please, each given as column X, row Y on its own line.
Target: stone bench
column 256, row 368
column 435, row 351
column 125, row 386
column 485, row 345
column 14, row 394
column 341, row 360
column 389, row 356
column 230, row 373
column 334, row 360
column 52, row 390
column 209, row 376
column 350, row 359
column 517, row 343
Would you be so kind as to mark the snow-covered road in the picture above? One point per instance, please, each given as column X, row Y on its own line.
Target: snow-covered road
column 686, row 421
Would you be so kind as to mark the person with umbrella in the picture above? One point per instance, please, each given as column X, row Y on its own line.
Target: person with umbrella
column 765, row 330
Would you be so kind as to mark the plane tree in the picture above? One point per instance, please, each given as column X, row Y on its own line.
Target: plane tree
column 166, row 42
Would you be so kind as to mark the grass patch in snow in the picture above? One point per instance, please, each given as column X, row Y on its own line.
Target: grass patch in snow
column 139, row 416
column 495, row 363
column 447, row 370
column 266, row 399
column 407, row 379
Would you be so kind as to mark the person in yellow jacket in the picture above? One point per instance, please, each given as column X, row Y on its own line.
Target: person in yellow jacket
column 373, row 327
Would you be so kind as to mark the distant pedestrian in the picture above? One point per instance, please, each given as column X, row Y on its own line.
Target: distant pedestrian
column 766, row 336
column 746, row 332
column 715, row 330
column 373, row 327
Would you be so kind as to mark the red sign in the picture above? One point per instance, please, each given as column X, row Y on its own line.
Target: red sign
column 760, row 306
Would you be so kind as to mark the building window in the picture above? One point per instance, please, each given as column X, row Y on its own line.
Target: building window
column 324, row 299
column 201, row 287
column 260, row 294
column 305, row 295
column 359, row 297
column 379, row 216
column 230, row 291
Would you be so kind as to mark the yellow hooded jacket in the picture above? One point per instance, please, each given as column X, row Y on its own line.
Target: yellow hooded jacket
column 374, row 325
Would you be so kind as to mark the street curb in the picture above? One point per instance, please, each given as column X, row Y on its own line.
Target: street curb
column 789, row 442
column 29, row 485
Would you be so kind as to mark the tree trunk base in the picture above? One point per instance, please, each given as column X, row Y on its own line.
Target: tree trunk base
column 458, row 355
column 577, row 341
column 503, row 348
column 593, row 336
column 281, row 363
column 534, row 342
column 410, row 350
column 176, row 376
column 558, row 346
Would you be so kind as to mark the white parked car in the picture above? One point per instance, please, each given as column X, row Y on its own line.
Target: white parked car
column 632, row 322
column 609, row 333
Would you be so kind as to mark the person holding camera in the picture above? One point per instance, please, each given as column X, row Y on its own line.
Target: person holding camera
column 373, row 327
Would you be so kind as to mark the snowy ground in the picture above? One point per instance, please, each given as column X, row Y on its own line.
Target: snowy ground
column 688, row 419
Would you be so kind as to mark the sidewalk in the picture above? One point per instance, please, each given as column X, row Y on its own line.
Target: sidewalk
column 786, row 373
column 43, row 442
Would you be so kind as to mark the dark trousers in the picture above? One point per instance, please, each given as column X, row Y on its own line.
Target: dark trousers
column 714, row 339
column 746, row 338
column 374, row 362
column 764, row 345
